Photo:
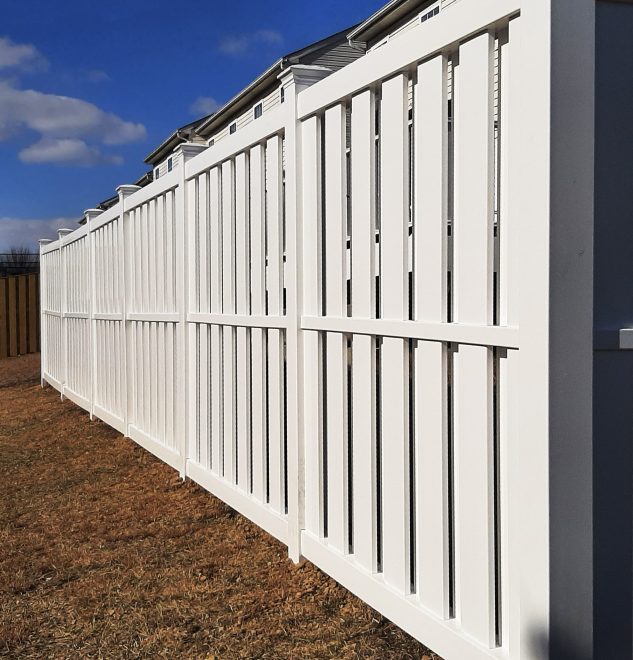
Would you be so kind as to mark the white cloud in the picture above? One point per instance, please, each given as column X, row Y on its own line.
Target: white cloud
column 61, row 117
column 18, row 232
column 97, row 76
column 204, row 105
column 240, row 44
column 70, row 130
column 233, row 45
column 271, row 37
column 66, row 125
column 24, row 57
column 66, row 151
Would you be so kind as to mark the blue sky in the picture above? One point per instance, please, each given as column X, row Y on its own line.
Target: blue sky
column 88, row 89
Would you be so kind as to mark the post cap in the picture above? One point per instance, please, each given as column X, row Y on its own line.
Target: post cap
column 190, row 149
column 89, row 214
column 127, row 189
column 303, row 75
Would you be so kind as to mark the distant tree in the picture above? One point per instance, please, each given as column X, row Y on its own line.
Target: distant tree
column 19, row 260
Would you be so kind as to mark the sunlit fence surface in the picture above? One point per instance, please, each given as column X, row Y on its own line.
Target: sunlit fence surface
column 339, row 320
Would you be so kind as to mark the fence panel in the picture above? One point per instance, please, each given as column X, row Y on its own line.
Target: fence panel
column 152, row 316
column 237, row 369
column 22, row 323
column 4, row 320
column 19, row 315
column 76, row 325
column 12, row 298
column 406, row 506
column 108, row 317
column 33, row 313
column 51, row 294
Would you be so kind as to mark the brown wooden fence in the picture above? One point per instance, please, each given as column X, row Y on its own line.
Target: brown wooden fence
column 19, row 315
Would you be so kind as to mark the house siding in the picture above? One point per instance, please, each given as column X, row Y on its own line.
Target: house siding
column 176, row 156
column 408, row 23
column 269, row 102
column 334, row 58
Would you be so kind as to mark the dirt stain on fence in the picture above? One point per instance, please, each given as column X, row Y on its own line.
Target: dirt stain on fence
column 105, row 553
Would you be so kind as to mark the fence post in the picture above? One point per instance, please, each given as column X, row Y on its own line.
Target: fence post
column 62, row 233
column 552, row 204
column 183, row 270
column 43, row 242
column 125, row 271
column 294, row 80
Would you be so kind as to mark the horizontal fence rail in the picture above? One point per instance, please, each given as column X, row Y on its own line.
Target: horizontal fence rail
column 318, row 320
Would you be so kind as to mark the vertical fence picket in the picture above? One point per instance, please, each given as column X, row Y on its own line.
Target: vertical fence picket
column 215, row 365
column 431, row 197
column 363, row 241
column 335, row 296
column 136, row 221
column 170, row 436
column 473, row 364
column 312, row 372
column 509, row 372
column 274, row 283
column 228, row 307
column 202, row 412
column 242, row 265
column 394, row 352
column 137, row 330
column 258, row 308
column 170, row 277
column 199, row 212
column 195, row 241
column 160, row 255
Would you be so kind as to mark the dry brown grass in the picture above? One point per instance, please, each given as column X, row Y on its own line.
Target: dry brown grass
column 105, row 553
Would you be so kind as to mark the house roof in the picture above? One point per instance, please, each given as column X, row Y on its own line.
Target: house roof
column 264, row 81
column 384, row 18
column 203, row 127
column 142, row 181
column 180, row 135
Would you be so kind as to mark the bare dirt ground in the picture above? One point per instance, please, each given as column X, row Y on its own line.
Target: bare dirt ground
column 104, row 553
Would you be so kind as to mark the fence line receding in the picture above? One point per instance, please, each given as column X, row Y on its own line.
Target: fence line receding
column 330, row 320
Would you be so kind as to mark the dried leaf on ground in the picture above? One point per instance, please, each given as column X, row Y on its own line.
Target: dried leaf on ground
column 105, row 553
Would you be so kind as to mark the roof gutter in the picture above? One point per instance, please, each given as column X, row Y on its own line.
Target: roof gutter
column 356, row 35
column 270, row 73
column 166, row 145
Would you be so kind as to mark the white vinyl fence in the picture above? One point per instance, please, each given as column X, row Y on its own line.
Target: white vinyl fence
column 336, row 320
